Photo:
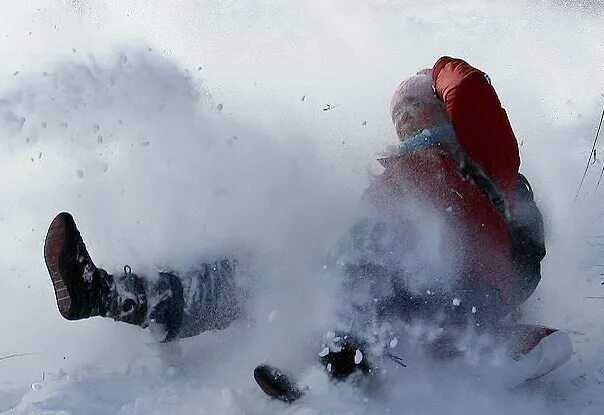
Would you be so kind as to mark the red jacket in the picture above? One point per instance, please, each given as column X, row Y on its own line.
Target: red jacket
column 481, row 124
column 480, row 236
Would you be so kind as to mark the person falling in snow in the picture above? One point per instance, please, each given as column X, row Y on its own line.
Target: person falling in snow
column 457, row 155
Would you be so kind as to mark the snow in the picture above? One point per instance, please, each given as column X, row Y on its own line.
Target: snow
column 283, row 190
column 358, row 357
column 273, row 315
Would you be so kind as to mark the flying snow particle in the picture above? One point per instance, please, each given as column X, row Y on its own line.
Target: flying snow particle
column 272, row 316
column 456, row 302
column 449, row 209
column 358, row 357
column 37, row 386
column 228, row 397
column 393, row 343
column 473, row 310
column 329, row 367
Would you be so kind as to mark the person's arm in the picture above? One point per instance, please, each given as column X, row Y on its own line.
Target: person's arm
column 480, row 123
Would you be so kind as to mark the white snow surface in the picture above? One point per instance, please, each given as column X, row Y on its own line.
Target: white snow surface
column 173, row 130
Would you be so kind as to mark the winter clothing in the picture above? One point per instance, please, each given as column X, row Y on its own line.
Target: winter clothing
column 176, row 304
column 456, row 169
column 481, row 124
column 211, row 298
column 82, row 290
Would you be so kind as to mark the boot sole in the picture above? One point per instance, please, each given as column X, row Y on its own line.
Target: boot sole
column 56, row 238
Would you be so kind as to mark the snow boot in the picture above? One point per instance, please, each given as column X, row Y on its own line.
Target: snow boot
column 538, row 350
column 81, row 289
column 277, row 384
column 342, row 355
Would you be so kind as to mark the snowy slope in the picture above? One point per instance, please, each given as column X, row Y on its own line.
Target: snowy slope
column 172, row 130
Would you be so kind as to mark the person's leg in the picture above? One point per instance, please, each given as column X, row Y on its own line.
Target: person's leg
column 210, row 298
column 174, row 305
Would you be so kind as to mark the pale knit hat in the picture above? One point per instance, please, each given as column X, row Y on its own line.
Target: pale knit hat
column 415, row 107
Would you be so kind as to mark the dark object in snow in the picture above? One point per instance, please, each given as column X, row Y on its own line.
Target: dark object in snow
column 276, row 384
column 344, row 355
column 219, row 107
column 592, row 154
column 328, row 107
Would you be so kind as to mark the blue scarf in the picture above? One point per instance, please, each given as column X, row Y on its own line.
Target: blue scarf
column 442, row 135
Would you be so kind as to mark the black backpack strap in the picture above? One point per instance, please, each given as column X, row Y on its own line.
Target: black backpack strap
column 524, row 224
column 469, row 170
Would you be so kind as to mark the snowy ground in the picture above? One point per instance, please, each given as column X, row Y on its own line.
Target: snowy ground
column 173, row 129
